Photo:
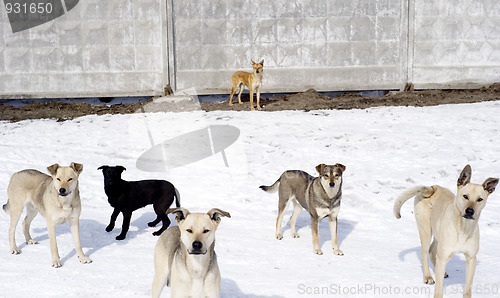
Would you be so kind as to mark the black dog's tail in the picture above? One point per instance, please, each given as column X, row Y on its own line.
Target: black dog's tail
column 177, row 198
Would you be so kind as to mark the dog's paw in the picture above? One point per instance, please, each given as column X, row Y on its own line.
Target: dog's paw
column 84, row 259
column 318, row 251
column 259, row 108
column 279, row 236
column 446, row 275
column 120, row 237
column 151, row 224
column 110, row 228
column 15, row 251
column 295, row 235
column 428, row 280
column 338, row 252
column 56, row 263
column 230, row 103
column 157, row 233
column 31, row 241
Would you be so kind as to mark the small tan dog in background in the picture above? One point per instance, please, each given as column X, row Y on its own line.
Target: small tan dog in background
column 253, row 81
column 452, row 220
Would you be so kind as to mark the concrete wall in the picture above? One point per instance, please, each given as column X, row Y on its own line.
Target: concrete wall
column 99, row 48
column 124, row 47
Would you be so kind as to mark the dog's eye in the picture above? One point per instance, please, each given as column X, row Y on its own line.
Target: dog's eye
column 205, row 231
column 466, row 197
column 70, row 179
column 189, row 231
column 480, row 199
column 58, row 179
column 326, row 176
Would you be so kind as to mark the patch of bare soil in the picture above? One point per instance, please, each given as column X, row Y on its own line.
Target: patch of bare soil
column 312, row 100
column 306, row 101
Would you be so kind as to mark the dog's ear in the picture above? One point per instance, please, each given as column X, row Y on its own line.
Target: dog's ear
column 464, row 177
column 122, row 168
column 215, row 214
column 53, row 169
column 340, row 166
column 103, row 167
column 252, row 62
column 319, row 168
column 180, row 213
column 490, row 184
column 77, row 167
column 262, row 62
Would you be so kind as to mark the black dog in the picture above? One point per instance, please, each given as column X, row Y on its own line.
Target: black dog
column 128, row 196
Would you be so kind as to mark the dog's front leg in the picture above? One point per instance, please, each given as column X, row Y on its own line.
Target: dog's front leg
column 251, row 98
column 258, row 98
column 51, row 229
column 440, row 271
column 126, row 223
column 75, row 232
column 111, row 225
column 470, row 269
column 315, row 235
column 332, row 220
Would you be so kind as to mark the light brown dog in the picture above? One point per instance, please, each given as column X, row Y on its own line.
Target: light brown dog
column 253, row 80
column 452, row 221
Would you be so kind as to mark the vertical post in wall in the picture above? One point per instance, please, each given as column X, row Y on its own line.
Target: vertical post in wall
column 169, row 42
column 410, row 42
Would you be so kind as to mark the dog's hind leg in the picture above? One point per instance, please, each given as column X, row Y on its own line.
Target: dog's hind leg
column 293, row 219
column 15, row 214
column 241, row 87
column 31, row 212
column 126, row 224
column 282, row 206
column 432, row 253
column 423, row 218
column 166, row 223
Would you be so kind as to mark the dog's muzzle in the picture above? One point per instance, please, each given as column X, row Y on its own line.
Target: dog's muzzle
column 469, row 213
column 197, row 248
column 63, row 192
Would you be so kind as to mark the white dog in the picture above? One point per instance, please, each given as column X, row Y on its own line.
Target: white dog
column 185, row 259
column 56, row 197
column 452, row 220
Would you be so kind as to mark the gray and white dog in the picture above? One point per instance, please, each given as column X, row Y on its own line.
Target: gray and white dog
column 320, row 196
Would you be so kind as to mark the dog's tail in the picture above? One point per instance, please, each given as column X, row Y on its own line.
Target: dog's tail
column 177, row 198
column 425, row 191
column 272, row 188
column 6, row 208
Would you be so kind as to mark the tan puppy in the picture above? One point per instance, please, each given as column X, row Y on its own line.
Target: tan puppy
column 253, row 80
column 185, row 259
column 56, row 197
column 320, row 196
column 452, row 220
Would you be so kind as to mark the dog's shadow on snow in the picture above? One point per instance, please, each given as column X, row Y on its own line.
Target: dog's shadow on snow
column 344, row 228
column 455, row 267
column 230, row 287
column 93, row 235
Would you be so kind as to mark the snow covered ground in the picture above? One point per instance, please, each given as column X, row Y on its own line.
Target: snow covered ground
column 385, row 150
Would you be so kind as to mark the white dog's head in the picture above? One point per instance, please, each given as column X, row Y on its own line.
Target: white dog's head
column 65, row 179
column 198, row 229
column 471, row 198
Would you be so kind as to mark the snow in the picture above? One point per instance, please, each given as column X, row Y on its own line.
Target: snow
column 385, row 150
